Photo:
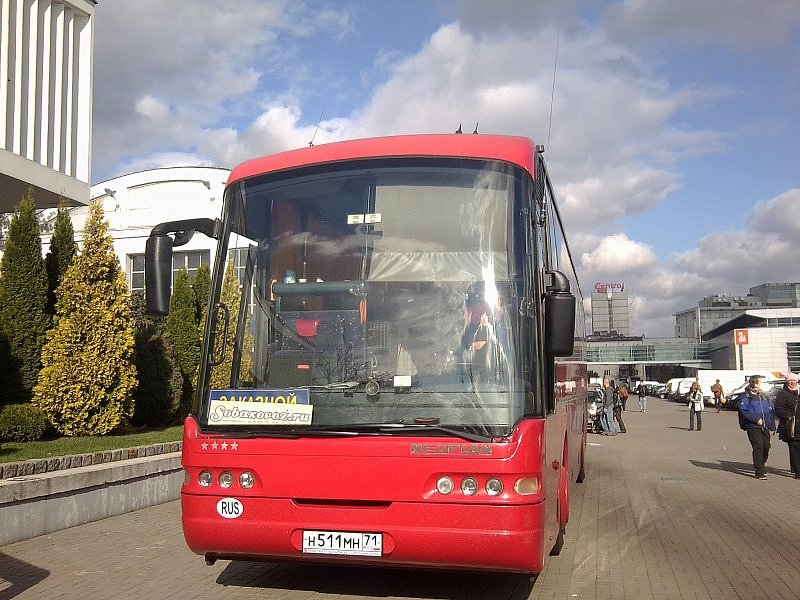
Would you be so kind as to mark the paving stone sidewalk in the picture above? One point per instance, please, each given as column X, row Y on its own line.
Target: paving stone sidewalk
column 672, row 513
column 664, row 513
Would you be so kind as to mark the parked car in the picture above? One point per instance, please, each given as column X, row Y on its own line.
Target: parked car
column 681, row 389
column 768, row 386
column 658, row 391
column 672, row 386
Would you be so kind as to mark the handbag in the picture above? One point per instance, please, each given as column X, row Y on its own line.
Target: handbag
column 790, row 427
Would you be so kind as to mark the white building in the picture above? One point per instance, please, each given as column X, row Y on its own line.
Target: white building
column 133, row 204
column 767, row 339
column 46, row 49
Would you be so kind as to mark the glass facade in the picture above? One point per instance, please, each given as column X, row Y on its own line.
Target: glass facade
column 650, row 351
column 610, row 312
column 793, row 356
column 778, row 294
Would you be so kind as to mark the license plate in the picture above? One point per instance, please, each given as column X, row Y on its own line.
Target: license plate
column 342, row 542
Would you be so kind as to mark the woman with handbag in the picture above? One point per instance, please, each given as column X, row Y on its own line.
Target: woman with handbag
column 786, row 404
column 695, row 406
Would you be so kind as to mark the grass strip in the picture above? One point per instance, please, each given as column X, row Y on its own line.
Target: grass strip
column 67, row 446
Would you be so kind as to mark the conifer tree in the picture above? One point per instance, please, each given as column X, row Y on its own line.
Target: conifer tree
column 231, row 297
column 88, row 376
column 62, row 251
column 181, row 325
column 160, row 384
column 182, row 332
column 23, row 304
column 202, row 288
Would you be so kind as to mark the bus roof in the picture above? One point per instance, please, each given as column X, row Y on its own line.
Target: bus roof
column 513, row 149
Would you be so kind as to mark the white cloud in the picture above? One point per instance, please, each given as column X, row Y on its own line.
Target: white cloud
column 618, row 255
column 162, row 159
column 759, row 253
column 152, row 108
column 779, row 216
column 199, row 83
column 763, row 250
column 205, row 61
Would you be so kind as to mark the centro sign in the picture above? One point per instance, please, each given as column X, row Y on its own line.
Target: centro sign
column 604, row 288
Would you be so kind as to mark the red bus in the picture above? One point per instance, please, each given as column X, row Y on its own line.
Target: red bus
column 403, row 380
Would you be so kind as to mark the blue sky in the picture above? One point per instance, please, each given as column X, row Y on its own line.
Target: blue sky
column 674, row 144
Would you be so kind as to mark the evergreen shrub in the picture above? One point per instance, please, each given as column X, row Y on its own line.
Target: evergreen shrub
column 158, row 393
column 23, row 423
column 23, row 303
column 88, row 375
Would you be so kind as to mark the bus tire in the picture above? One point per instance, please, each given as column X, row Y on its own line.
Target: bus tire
column 563, row 503
column 556, row 550
column 582, row 472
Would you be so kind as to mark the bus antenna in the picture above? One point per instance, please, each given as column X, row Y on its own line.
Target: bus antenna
column 311, row 142
column 553, row 89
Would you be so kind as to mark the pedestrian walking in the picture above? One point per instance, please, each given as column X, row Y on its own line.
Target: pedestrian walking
column 618, row 408
column 786, row 404
column 719, row 395
column 641, row 392
column 607, row 419
column 757, row 418
column 623, row 396
column 695, row 406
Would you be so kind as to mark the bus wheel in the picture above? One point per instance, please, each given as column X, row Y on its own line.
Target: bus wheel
column 563, row 505
column 559, row 541
column 582, row 472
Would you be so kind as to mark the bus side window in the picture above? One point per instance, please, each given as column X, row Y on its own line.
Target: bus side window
column 566, row 381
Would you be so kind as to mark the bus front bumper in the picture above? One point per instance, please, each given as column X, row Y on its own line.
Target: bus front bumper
column 499, row 537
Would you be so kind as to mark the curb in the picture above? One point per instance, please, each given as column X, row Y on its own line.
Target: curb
column 46, row 495
column 37, row 466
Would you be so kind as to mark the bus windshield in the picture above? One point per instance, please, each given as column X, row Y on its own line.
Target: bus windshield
column 376, row 295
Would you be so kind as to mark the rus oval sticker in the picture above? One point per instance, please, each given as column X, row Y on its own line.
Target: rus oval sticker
column 230, row 508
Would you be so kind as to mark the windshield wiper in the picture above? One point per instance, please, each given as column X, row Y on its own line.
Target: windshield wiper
column 394, row 427
column 257, row 434
column 464, row 435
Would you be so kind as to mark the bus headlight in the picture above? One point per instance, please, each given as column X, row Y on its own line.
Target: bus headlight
column 444, row 485
column 225, row 479
column 246, row 480
column 494, row 487
column 204, row 479
column 469, row 487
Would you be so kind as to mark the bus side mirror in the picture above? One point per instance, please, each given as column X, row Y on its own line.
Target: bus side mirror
column 559, row 316
column 158, row 258
column 158, row 273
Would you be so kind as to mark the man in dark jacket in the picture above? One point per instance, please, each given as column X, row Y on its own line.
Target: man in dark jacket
column 786, row 408
column 758, row 420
